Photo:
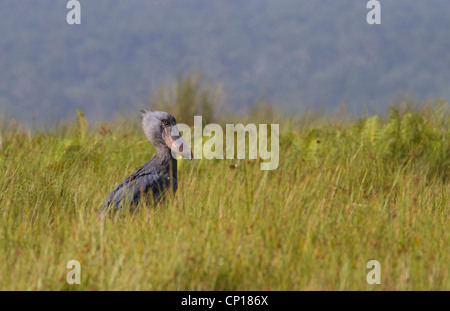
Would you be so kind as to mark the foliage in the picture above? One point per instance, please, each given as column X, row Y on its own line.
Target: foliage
column 345, row 192
column 297, row 53
column 188, row 96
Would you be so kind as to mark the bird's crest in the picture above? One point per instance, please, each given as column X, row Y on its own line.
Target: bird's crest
column 144, row 112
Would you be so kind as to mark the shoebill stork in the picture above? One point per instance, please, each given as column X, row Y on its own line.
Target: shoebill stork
column 159, row 175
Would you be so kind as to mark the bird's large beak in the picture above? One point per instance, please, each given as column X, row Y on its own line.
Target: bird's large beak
column 175, row 142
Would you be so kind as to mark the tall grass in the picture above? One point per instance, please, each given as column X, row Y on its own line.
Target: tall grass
column 189, row 95
column 345, row 192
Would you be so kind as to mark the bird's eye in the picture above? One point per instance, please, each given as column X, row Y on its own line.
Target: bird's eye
column 165, row 122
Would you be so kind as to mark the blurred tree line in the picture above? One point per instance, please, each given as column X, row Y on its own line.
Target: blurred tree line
column 297, row 54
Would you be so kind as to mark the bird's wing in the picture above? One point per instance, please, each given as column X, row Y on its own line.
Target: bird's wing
column 145, row 179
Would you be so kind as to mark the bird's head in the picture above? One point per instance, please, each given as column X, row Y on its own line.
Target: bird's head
column 162, row 131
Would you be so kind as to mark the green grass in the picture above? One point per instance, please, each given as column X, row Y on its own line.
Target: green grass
column 345, row 192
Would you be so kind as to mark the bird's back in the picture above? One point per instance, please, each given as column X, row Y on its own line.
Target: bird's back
column 149, row 182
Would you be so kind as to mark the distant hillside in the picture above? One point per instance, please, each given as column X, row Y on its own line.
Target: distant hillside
column 296, row 54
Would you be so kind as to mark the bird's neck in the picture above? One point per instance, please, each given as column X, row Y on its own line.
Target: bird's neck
column 167, row 163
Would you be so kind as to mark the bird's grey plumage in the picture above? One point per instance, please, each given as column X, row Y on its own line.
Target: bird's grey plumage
column 155, row 178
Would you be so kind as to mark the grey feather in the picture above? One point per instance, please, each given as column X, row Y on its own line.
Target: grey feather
column 154, row 179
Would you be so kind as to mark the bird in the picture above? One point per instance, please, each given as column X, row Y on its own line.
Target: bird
column 152, row 181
